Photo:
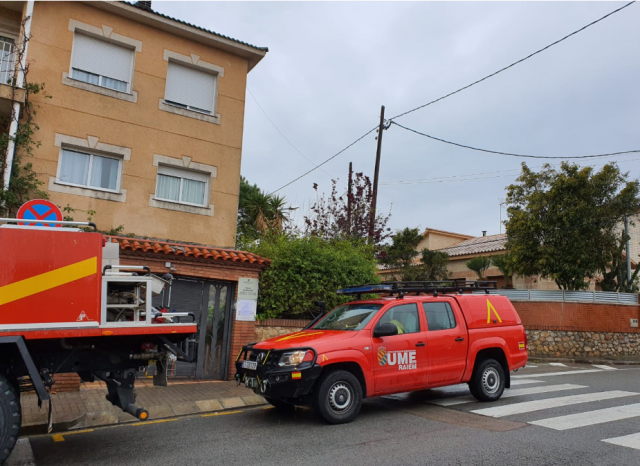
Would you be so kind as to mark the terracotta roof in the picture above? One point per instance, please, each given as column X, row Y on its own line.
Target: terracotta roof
column 479, row 245
column 188, row 250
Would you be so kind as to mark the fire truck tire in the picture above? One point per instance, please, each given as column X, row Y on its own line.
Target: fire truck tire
column 281, row 406
column 10, row 417
column 487, row 381
column 337, row 398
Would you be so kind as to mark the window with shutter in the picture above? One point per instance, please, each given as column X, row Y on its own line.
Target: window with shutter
column 190, row 88
column 102, row 63
column 89, row 170
column 183, row 186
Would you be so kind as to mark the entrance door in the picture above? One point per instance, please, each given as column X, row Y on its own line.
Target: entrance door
column 215, row 331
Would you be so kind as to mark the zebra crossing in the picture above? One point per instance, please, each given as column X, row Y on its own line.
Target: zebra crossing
column 539, row 386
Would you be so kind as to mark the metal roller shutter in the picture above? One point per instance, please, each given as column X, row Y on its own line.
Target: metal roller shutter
column 102, row 57
column 191, row 87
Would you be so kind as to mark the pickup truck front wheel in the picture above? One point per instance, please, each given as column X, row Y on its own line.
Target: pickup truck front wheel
column 338, row 397
column 487, row 381
column 10, row 417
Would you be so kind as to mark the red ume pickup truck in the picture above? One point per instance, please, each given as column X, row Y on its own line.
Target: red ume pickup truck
column 421, row 335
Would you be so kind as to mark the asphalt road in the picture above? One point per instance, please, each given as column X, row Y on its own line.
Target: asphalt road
column 435, row 427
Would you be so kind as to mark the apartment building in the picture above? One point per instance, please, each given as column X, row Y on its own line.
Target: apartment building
column 144, row 122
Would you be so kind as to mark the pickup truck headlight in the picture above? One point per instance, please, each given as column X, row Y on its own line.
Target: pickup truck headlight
column 292, row 358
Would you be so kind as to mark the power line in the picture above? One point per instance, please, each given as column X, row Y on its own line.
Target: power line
column 611, row 154
column 285, row 137
column 512, row 64
column 329, row 159
column 444, row 179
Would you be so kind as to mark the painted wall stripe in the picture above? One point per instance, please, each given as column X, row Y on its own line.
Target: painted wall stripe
column 590, row 418
column 631, row 441
column 46, row 281
column 458, row 400
column 550, row 374
column 530, row 406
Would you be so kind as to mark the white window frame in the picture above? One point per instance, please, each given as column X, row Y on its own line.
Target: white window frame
column 115, row 42
column 169, row 169
column 91, row 154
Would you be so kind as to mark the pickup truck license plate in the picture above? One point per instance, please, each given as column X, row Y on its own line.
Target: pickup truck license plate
column 253, row 365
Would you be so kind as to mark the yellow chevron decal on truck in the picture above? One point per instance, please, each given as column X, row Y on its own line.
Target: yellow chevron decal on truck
column 48, row 280
column 296, row 335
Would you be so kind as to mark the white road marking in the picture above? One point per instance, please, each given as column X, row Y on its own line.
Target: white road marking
column 631, row 441
column 549, row 374
column 557, row 364
column 530, row 365
column 590, row 418
column 458, row 400
column 515, row 383
column 530, row 406
column 606, row 368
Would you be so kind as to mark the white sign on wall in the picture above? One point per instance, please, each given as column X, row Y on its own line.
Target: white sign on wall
column 248, row 288
column 246, row 309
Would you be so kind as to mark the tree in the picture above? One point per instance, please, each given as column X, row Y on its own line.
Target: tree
column 433, row 265
column 258, row 213
column 504, row 264
column 304, row 270
column 615, row 278
column 479, row 265
column 400, row 255
column 347, row 216
column 562, row 224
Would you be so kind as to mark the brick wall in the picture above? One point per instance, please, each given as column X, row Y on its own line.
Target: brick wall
column 581, row 317
column 271, row 328
column 66, row 383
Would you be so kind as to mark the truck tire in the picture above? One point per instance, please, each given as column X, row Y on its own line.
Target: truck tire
column 281, row 406
column 337, row 398
column 487, row 381
column 10, row 417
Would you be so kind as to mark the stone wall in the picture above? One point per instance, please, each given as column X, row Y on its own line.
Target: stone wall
column 271, row 328
column 584, row 344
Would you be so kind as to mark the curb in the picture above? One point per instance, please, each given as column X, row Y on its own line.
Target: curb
column 583, row 360
column 115, row 416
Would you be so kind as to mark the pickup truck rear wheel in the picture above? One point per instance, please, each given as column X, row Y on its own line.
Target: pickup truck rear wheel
column 337, row 397
column 10, row 417
column 487, row 381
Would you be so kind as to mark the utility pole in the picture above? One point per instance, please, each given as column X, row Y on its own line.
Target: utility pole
column 349, row 198
column 375, row 176
column 626, row 232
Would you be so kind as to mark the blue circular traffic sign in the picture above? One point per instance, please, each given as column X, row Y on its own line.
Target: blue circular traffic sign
column 39, row 209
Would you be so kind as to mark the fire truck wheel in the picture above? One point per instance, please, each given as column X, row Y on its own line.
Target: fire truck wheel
column 281, row 406
column 10, row 417
column 487, row 381
column 338, row 397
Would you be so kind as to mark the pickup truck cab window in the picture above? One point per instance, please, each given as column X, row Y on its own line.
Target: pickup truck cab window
column 405, row 317
column 348, row 317
column 439, row 316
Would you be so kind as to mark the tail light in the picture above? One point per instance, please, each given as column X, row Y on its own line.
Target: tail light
column 526, row 341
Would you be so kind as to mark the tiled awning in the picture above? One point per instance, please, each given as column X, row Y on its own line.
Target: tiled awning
column 187, row 250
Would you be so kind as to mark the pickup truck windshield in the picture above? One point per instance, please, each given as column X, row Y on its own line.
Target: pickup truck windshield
column 348, row 317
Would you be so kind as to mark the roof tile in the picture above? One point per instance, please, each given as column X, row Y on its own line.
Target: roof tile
column 479, row 245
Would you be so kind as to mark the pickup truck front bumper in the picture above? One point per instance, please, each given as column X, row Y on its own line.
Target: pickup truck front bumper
column 289, row 383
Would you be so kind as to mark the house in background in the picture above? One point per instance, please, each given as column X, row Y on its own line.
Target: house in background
column 145, row 121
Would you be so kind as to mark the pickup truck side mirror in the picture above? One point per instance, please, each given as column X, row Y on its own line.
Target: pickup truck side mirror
column 385, row 330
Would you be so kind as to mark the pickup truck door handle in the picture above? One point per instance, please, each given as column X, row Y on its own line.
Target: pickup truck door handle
column 460, row 339
column 420, row 344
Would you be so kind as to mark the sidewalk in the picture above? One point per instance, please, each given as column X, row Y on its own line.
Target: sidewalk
column 89, row 408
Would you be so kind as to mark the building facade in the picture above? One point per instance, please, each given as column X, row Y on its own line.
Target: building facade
column 144, row 120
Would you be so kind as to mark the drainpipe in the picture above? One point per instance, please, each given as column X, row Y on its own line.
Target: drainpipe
column 15, row 116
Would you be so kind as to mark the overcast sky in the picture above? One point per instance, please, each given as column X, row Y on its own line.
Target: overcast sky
column 331, row 66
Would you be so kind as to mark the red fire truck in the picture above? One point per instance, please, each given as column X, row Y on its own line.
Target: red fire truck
column 62, row 311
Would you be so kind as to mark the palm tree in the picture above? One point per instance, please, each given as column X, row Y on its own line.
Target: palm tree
column 479, row 265
column 265, row 212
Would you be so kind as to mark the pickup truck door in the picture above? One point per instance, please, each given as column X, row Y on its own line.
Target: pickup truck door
column 447, row 342
column 400, row 361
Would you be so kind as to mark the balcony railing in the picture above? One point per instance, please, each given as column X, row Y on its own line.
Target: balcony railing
column 609, row 297
column 7, row 62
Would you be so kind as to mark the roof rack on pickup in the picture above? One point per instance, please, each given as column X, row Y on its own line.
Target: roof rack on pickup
column 401, row 288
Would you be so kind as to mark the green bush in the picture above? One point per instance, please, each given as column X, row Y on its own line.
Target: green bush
column 306, row 270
